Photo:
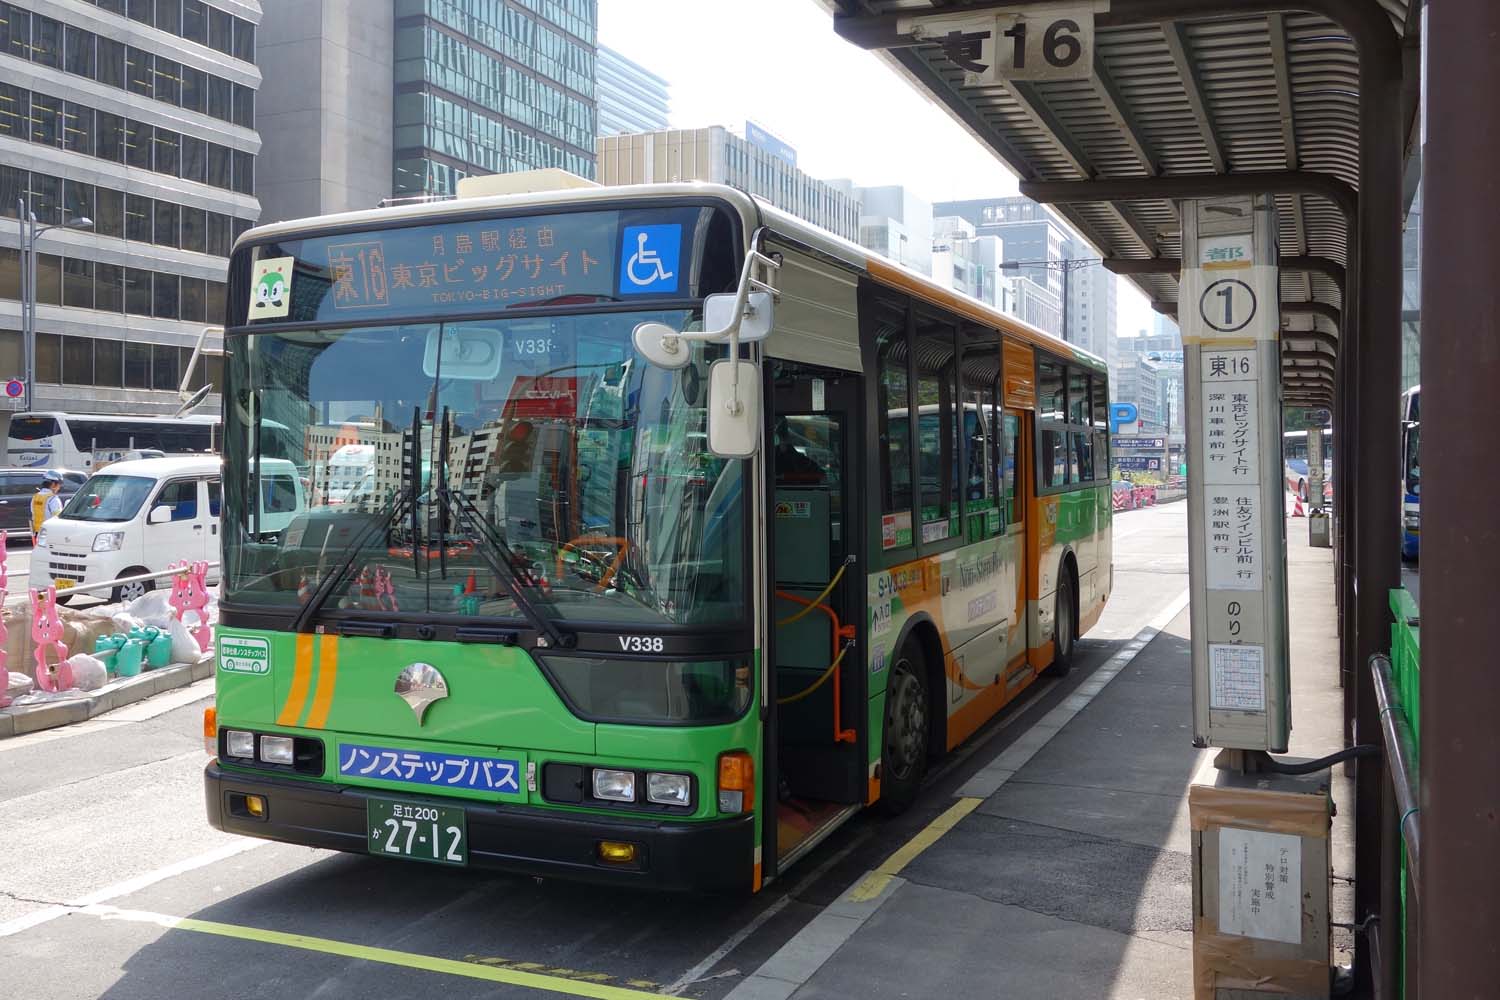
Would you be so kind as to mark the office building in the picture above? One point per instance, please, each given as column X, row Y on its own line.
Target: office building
column 1093, row 309
column 631, row 97
column 1138, row 381
column 718, row 156
column 364, row 101
column 968, row 263
column 140, row 117
column 1035, row 233
column 1035, row 304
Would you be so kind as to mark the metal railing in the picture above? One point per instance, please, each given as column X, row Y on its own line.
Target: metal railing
column 106, row 585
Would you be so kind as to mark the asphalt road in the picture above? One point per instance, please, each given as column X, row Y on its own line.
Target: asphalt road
column 105, row 848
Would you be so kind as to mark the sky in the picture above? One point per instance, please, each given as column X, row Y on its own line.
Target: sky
column 845, row 111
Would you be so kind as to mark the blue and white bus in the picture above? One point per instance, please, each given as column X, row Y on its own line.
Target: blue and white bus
column 1411, row 472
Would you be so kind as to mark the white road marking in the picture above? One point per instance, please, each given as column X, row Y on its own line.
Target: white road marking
column 1172, row 610
column 50, row 913
column 697, row 972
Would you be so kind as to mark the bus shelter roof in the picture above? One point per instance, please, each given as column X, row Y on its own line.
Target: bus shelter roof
column 1188, row 98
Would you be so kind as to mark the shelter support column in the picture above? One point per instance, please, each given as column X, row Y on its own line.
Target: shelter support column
column 1460, row 731
column 1375, row 446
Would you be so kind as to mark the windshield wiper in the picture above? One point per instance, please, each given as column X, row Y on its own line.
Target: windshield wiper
column 327, row 585
column 505, row 566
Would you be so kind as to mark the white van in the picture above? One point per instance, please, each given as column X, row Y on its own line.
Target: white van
column 141, row 516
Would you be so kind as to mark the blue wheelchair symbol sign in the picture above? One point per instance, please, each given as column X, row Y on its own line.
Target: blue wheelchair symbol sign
column 649, row 258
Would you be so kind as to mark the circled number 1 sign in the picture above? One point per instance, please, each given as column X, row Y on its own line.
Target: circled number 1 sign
column 1227, row 305
column 14, row 388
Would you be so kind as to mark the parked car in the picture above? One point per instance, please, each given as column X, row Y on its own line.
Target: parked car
column 141, row 516
column 18, row 486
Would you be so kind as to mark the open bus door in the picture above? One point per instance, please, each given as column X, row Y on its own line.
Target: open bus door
column 816, row 730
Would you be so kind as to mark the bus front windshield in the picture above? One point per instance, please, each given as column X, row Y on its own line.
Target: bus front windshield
column 564, row 453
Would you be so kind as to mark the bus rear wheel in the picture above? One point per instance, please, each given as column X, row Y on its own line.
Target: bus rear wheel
column 1064, row 626
column 903, row 750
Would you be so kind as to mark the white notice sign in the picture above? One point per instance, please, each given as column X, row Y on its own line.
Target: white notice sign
column 1260, row 885
column 1232, row 549
column 1237, row 677
column 1231, row 433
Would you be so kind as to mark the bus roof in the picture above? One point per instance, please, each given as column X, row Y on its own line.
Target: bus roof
column 754, row 211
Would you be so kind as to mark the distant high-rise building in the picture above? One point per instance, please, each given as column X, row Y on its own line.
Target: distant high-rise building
column 1092, row 309
column 894, row 222
column 968, row 263
column 718, row 156
column 1035, row 233
column 364, row 100
column 141, row 118
column 631, row 97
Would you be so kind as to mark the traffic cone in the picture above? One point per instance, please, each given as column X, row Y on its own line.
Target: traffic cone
column 1297, row 510
column 369, row 599
column 304, row 592
column 470, row 585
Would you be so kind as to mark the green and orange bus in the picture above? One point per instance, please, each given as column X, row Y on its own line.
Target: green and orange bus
column 555, row 631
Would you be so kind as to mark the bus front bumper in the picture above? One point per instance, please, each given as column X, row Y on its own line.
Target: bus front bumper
column 713, row 856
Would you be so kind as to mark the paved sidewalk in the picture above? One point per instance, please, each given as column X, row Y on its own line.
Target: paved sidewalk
column 1067, row 871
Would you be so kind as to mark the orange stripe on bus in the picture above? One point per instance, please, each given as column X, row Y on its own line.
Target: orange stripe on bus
column 292, row 710
column 328, row 673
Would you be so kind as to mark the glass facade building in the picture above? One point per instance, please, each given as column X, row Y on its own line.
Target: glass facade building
column 139, row 115
column 492, row 86
column 631, row 97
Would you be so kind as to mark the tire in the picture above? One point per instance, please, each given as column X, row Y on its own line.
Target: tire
column 1064, row 626
column 906, row 734
column 132, row 591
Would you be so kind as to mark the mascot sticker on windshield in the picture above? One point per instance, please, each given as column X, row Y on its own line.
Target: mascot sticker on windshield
column 270, row 288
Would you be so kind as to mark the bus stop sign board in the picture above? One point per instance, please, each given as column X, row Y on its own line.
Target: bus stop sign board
column 1236, row 533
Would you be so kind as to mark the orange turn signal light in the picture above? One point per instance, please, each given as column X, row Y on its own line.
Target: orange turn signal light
column 211, row 730
column 736, row 782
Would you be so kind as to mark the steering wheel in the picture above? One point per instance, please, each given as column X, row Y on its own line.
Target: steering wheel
column 623, row 546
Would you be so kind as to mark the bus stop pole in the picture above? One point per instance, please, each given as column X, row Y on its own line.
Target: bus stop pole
column 1460, row 738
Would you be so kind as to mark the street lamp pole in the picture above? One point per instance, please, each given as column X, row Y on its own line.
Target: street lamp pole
column 1067, row 266
column 30, row 233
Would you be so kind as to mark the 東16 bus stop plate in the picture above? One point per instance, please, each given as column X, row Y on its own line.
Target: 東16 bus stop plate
column 417, row 830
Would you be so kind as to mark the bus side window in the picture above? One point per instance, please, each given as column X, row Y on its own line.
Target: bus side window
column 1011, row 441
column 893, row 411
column 937, row 428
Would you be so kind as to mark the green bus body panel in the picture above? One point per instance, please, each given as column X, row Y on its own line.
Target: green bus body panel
column 499, row 704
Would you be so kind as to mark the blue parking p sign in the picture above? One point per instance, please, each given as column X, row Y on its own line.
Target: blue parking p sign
column 649, row 259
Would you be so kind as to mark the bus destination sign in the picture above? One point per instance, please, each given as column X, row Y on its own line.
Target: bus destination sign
column 477, row 266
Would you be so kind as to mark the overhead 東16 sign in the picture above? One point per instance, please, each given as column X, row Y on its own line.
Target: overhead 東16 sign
column 1045, row 41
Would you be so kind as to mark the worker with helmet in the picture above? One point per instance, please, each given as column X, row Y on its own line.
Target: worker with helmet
column 46, row 503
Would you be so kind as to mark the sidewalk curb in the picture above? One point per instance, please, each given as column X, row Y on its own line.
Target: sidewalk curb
column 20, row 720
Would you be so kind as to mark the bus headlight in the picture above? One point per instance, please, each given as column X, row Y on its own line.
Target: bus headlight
column 109, row 541
column 238, row 743
column 276, row 749
column 614, row 786
column 669, row 789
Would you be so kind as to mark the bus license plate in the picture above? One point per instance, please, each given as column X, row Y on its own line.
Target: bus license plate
column 417, row 830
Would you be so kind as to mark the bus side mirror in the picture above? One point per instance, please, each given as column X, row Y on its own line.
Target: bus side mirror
column 733, row 409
